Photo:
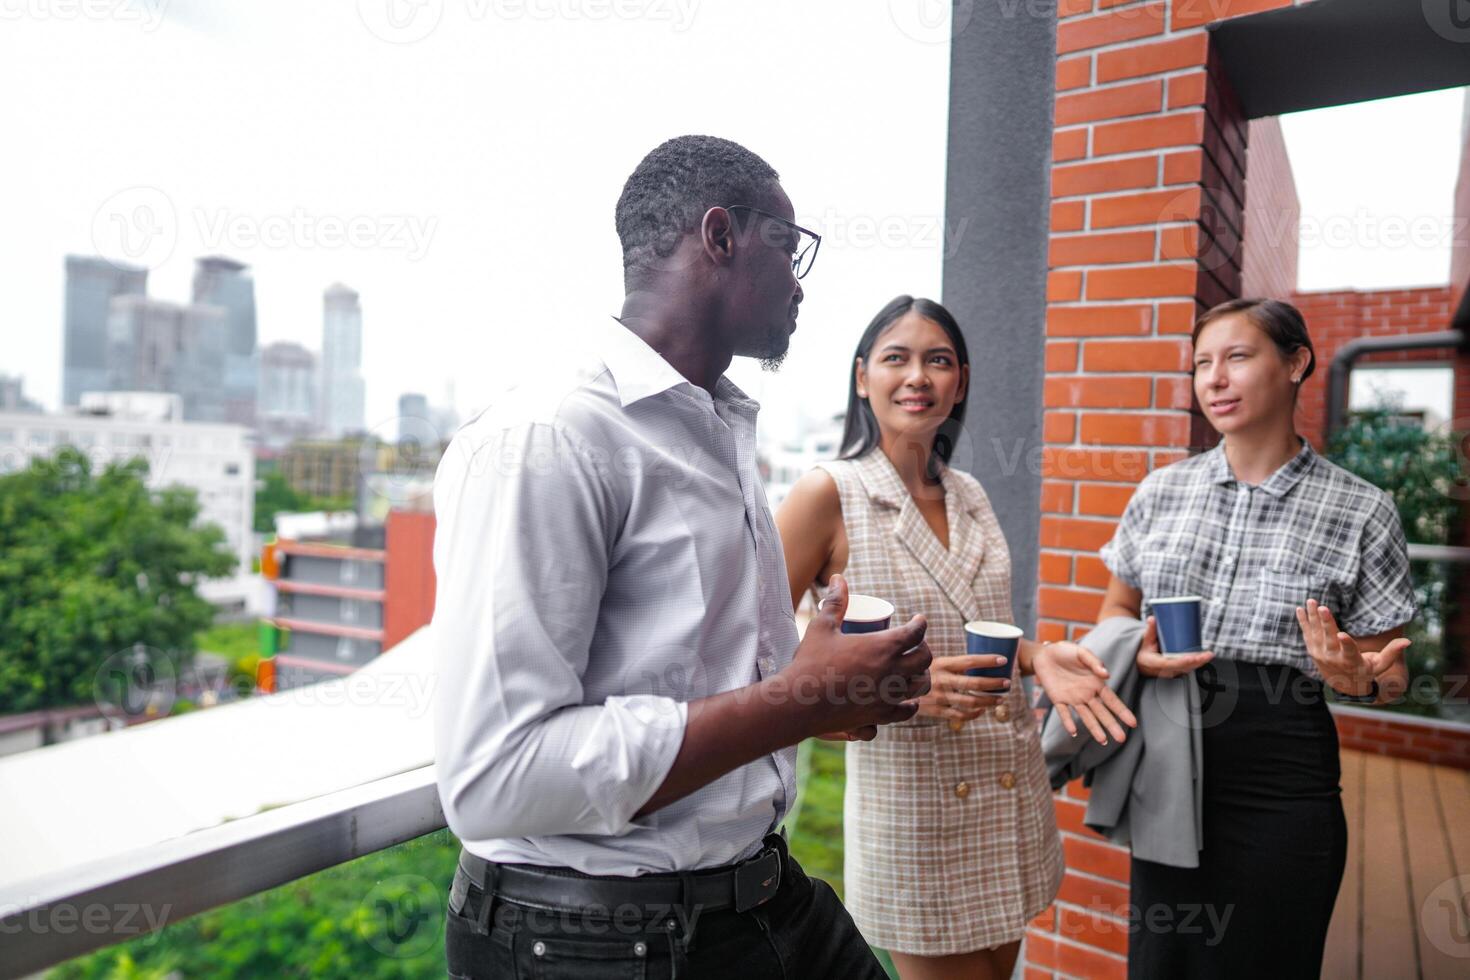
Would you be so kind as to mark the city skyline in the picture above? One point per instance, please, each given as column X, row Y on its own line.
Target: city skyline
column 475, row 251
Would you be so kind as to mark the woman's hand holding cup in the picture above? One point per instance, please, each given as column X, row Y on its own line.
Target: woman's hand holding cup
column 1152, row 663
column 954, row 695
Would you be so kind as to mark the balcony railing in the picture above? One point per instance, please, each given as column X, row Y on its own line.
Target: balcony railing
column 51, row 919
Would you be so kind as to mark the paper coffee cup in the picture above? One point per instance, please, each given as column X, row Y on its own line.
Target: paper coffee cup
column 1179, row 623
column 984, row 636
column 866, row 614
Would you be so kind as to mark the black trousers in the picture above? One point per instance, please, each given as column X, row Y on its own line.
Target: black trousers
column 1275, row 839
column 802, row 932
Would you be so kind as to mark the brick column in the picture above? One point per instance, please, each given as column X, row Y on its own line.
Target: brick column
column 1148, row 195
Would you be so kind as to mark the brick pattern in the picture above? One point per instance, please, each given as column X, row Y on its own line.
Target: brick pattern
column 1272, row 215
column 1403, row 737
column 1334, row 318
column 1148, row 219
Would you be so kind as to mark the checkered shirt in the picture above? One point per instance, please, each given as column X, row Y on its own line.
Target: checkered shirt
column 1311, row 530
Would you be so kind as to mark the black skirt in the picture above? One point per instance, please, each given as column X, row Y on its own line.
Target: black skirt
column 1275, row 839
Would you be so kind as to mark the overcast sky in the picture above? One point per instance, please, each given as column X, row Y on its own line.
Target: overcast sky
column 470, row 153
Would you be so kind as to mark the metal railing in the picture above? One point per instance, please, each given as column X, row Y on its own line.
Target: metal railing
column 48, row 920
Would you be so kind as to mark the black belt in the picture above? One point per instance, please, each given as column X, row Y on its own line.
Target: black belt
column 741, row 887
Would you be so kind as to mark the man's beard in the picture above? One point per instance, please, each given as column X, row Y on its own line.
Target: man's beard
column 778, row 343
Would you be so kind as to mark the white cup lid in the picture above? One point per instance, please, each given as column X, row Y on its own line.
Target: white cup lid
column 867, row 608
column 1176, row 598
column 995, row 631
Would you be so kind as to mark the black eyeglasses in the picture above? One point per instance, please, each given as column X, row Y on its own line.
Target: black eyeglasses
column 804, row 246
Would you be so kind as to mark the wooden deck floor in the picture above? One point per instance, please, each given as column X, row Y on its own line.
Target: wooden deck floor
column 1403, row 910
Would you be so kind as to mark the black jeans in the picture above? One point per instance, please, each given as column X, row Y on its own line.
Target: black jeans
column 802, row 932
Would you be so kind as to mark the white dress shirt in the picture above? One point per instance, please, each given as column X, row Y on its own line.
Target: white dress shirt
column 605, row 554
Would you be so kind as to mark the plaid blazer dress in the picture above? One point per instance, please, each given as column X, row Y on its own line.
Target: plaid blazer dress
column 951, row 839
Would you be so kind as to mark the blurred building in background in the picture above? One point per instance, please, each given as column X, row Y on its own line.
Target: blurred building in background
column 215, row 461
column 13, row 396
column 287, row 407
column 227, row 284
column 343, row 403
column 155, row 345
column 91, row 284
column 330, row 468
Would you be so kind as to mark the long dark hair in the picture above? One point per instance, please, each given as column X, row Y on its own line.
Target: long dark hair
column 860, row 432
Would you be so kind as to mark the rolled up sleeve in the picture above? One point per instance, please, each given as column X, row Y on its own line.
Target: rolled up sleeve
column 525, row 525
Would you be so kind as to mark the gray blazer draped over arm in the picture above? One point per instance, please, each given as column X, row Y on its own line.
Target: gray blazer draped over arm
column 1144, row 792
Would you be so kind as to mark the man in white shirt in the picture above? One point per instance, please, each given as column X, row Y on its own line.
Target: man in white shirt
column 621, row 687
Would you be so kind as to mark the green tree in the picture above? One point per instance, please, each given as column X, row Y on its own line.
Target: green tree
column 276, row 496
column 92, row 564
column 1422, row 472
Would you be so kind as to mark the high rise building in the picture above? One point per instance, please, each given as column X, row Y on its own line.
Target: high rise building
column 13, row 395
column 343, row 402
column 91, row 284
column 154, row 345
column 227, row 284
column 287, row 407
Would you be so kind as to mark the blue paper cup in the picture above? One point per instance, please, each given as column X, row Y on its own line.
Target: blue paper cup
column 1179, row 623
column 983, row 636
column 866, row 614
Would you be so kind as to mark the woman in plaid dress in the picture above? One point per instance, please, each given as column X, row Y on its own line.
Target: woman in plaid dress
column 951, row 840
column 1305, row 576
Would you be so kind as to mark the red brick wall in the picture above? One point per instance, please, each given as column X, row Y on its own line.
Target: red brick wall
column 1423, row 740
column 1460, row 245
column 1272, row 215
column 1333, row 318
column 1148, row 217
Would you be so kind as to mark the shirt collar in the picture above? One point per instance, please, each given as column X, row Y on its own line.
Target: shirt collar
column 1278, row 484
column 883, row 484
column 640, row 372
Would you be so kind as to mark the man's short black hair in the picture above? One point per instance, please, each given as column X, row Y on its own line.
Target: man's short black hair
column 670, row 190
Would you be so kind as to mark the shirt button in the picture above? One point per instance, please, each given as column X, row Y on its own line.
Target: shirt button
column 640, row 949
column 955, row 724
column 962, row 789
column 539, row 949
column 1008, row 780
column 1002, row 712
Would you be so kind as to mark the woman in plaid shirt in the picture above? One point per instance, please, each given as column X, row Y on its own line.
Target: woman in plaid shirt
column 1305, row 575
